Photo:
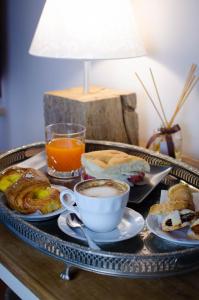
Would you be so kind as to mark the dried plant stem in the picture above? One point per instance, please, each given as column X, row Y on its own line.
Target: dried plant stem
column 150, row 98
column 179, row 102
column 187, row 83
column 190, row 75
column 159, row 99
column 196, row 79
column 190, row 83
column 188, row 87
column 178, row 108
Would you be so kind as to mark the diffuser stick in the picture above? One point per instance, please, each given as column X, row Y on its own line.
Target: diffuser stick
column 159, row 99
column 150, row 98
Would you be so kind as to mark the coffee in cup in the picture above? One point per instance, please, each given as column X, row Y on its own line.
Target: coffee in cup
column 100, row 202
column 101, row 188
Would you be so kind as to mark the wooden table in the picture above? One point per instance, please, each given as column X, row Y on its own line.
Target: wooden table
column 39, row 276
column 33, row 275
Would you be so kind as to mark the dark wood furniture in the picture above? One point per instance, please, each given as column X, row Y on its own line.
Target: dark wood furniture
column 39, row 273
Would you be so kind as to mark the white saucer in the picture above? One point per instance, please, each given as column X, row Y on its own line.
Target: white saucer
column 132, row 223
column 176, row 236
column 180, row 236
column 38, row 216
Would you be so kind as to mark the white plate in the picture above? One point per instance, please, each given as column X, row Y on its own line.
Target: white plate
column 140, row 191
column 132, row 223
column 153, row 223
column 38, row 216
column 176, row 236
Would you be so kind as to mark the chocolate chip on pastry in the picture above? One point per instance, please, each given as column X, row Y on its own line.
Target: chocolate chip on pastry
column 178, row 219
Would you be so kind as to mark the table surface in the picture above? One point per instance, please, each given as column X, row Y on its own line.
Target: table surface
column 40, row 274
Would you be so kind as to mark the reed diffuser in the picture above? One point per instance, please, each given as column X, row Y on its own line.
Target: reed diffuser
column 167, row 139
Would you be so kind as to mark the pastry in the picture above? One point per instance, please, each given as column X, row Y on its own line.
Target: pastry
column 44, row 199
column 180, row 192
column 180, row 197
column 28, row 190
column 29, row 180
column 168, row 207
column 178, row 219
column 9, row 177
column 193, row 233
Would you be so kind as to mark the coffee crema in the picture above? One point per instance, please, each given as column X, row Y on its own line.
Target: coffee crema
column 101, row 188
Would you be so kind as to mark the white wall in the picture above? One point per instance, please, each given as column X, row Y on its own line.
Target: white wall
column 170, row 32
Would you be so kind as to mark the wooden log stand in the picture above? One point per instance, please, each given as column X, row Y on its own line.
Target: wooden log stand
column 107, row 114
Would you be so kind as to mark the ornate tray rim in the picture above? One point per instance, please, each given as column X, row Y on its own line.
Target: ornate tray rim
column 13, row 223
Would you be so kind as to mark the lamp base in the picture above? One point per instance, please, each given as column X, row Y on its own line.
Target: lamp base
column 108, row 114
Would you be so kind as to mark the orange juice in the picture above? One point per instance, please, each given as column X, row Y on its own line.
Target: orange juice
column 64, row 154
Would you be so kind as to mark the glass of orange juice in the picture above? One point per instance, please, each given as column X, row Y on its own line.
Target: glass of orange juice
column 65, row 143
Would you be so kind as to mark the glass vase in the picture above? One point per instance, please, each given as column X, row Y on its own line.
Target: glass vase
column 167, row 141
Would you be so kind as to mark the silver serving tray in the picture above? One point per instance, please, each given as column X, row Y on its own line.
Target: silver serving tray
column 142, row 256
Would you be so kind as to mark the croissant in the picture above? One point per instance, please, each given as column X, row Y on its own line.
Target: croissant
column 180, row 197
column 28, row 190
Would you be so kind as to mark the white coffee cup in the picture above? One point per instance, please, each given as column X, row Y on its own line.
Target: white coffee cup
column 100, row 203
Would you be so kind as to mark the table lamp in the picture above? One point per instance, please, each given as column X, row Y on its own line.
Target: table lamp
column 87, row 30
column 90, row 30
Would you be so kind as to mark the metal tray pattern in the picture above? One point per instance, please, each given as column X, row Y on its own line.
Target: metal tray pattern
column 143, row 256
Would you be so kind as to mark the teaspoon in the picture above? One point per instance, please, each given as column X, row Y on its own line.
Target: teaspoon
column 74, row 222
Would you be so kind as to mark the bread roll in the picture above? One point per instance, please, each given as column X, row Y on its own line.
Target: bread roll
column 112, row 163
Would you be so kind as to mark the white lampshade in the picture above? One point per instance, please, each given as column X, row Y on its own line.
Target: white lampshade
column 87, row 30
